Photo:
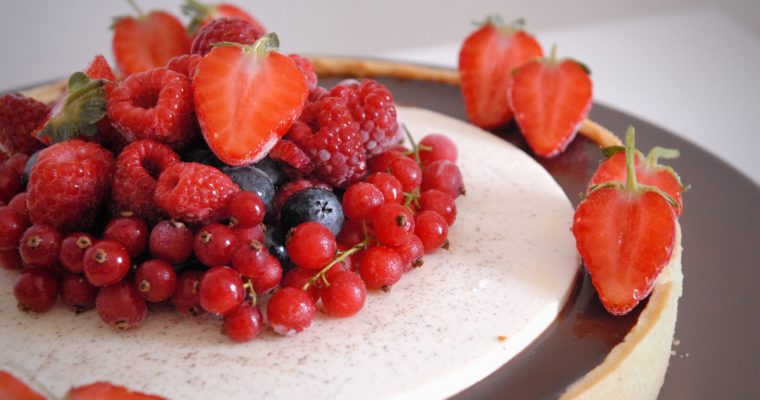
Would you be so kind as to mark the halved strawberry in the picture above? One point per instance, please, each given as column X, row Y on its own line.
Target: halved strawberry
column 100, row 69
column 107, row 391
column 12, row 388
column 648, row 172
column 148, row 41
column 486, row 61
column 550, row 99
column 625, row 234
column 246, row 99
column 201, row 14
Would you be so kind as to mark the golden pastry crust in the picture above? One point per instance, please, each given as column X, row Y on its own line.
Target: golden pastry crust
column 364, row 68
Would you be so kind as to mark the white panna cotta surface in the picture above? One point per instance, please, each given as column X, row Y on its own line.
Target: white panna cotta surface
column 511, row 264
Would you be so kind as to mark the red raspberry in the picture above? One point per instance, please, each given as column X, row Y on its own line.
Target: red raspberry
column 68, row 184
column 155, row 104
column 185, row 64
column 19, row 117
column 17, row 162
column 194, row 193
column 225, row 30
column 329, row 135
column 290, row 154
column 371, row 105
column 307, row 69
column 292, row 188
column 137, row 170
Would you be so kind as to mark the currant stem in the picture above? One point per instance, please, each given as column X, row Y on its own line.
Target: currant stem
column 342, row 255
column 631, row 184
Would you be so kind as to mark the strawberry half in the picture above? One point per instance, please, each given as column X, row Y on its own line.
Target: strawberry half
column 648, row 172
column 246, row 99
column 201, row 14
column 148, row 41
column 550, row 99
column 486, row 61
column 13, row 388
column 107, row 391
column 625, row 234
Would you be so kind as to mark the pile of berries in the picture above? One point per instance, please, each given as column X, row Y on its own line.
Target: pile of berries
column 176, row 184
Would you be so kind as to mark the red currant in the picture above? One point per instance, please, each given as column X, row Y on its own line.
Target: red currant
column 389, row 185
column 407, row 172
column 10, row 260
column 351, row 233
column 445, row 176
column 243, row 323
column 77, row 292
column 121, row 306
column 246, row 209
column 131, row 232
column 215, row 244
column 392, row 224
column 36, row 290
column 220, row 290
column 156, row 280
column 73, row 248
column 247, row 235
column 18, row 203
column 311, row 245
column 10, row 183
column 171, row 241
column 17, row 163
column 411, row 252
column 440, row 202
column 360, row 200
column 12, row 227
column 345, row 295
column 40, row 246
column 186, row 299
column 105, row 263
column 432, row 230
column 255, row 263
column 290, row 311
column 296, row 278
column 440, row 148
column 381, row 267
column 382, row 161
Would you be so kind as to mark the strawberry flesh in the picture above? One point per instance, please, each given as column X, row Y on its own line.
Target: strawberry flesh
column 148, row 42
column 13, row 388
column 107, row 391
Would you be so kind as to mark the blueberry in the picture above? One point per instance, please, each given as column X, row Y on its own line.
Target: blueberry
column 28, row 168
column 313, row 204
column 274, row 240
column 203, row 156
column 252, row 179
column 273, row 169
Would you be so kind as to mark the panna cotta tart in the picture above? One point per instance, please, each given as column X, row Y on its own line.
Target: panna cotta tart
column 213, row 217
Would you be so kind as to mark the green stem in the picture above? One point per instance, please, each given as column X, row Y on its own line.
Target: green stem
column 137, row 8
column 266, row 43
column 553, row 54
column 658, row 152
column 83, row 91
column 631, row 184
column 340, row 258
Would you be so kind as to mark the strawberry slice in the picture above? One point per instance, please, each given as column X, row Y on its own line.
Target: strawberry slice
column 246, row 99
column 12, row 388
column 550, row 99
column 648, row 172
column 486, row 61
column 201, row 14
column 148, row 41
column 625, row 234
column 99, row 69
column 107, row 391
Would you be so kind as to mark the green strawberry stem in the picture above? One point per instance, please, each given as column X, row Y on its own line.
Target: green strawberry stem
column 553, row 54
column 342, row 255
column 658, row 152
column 197, row 11
column 631, row 183
column 262, row 47
column 137, row 8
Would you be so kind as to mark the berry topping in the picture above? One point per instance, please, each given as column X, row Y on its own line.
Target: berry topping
column 121, row 306
column 40, row 246
column 252, row 179
column 186, row 64
column 345, row 295
column 442, row 203
column 194, row 193
column 221, row 290
column 10, row 260
column 106, row 263
column 243, row 323
column 107, row 391
column 486, row 61
column 12, row 388
column 296, row 278
column 68, row 184
column 389, row 185
column 392, row 224
column 313, row 205
column 156, row 280
column 19, row 117
column 131, row 232
column 289, row 189
column 231, row 30
column 215, row 244
column 436, row 147
column 445, row 176
column 171, row 241
column 246, row 209
column 147, row 42
column 202, row 14
column 290, row 311
column 10, row 183
column 73, row 248
column 381, row 268
column 156, row 104
column 411, row 252
column 241, row 125
column 12, row 227
column 407, row 171
column 311, row 245
column 255, row 263
column 307, row 69
column 186, row 299
column 100, row 69
column 360, row 200
column 36, row 290
column 18, row 204
column 77, row 292
column 432, row 230
column 550, row 99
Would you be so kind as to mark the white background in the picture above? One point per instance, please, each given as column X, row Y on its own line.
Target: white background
column 689, row 66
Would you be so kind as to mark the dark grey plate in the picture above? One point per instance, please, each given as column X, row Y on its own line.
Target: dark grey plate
column 718, row 355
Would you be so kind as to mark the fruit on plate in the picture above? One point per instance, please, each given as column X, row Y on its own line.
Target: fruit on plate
column 486, row 61
column 550, row 98
column 625, row 233
column 148, row 40
column 240, row 125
